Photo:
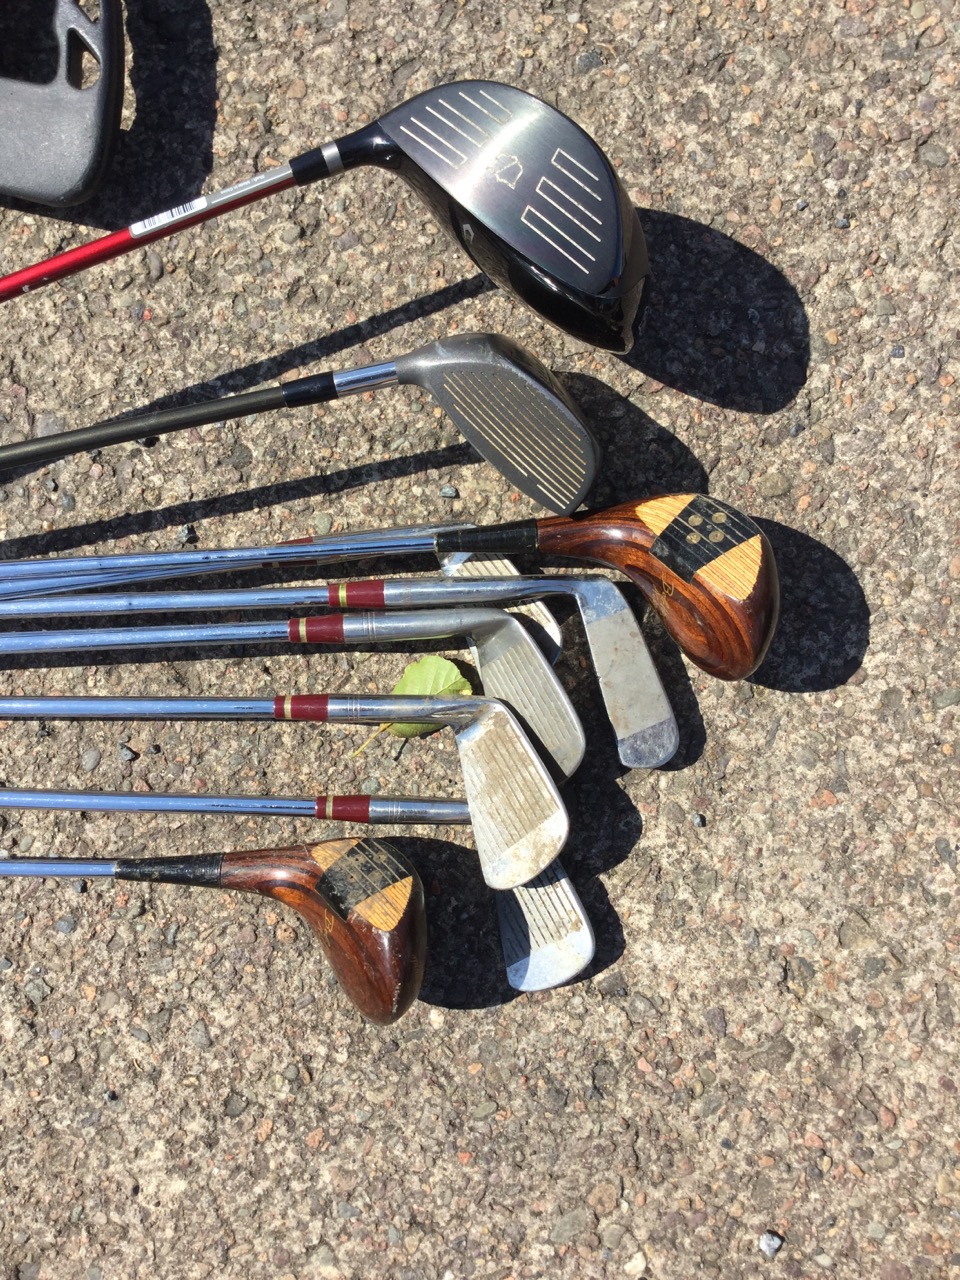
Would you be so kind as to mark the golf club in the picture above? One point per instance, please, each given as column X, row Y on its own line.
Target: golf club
column 705, row 567
column 633, row 695
column 510, row 666
column 519, row 821
column 546, row 936
column 537, row 617
column 524, row 191
column 500, row 397
column 361, row 898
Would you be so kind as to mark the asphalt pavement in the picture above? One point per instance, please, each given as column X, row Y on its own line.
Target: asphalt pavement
column 757, row 1076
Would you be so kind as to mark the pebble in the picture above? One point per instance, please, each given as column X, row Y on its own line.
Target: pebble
column 90, row 759
column 199, row 1035
column 449, row 491
column 36, row 990
column 66, row 924
column 570, row 1225
column 897, row 351
column 770, row 1244
column 126, row 753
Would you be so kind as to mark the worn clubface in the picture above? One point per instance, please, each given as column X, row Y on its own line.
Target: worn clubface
column 545, row 933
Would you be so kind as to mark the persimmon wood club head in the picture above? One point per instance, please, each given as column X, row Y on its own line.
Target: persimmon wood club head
column 362, row 899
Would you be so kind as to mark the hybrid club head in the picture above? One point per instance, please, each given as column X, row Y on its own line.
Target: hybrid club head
column 513, row 411
column 531, row 198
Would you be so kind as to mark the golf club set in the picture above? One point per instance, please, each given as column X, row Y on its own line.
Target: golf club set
column 535, row 203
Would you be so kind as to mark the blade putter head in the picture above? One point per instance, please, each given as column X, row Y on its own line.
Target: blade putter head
column 513, row 411
column 531, row 199
column 519, row 820
column 634, row 697
column 545, row 933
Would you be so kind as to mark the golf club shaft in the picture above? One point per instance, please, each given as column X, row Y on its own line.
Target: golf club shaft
column 67, row 572
column 321, row 162
column 315, row 389
column 327, row 629
column 368, row 810
column 410, row 593
column 391, row 708
column 361, row 898
column 706, row 568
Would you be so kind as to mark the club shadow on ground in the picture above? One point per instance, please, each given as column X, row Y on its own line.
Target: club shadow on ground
column 721, row 322
column 824, row 626
column 163, row 158
column 465, row 968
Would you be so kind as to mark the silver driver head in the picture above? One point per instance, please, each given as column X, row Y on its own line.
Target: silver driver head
column 531, row 198
column 545, row 933
column 513, row 411
column 519, row 820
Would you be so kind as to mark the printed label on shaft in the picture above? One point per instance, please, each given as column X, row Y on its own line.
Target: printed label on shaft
column 168, row 217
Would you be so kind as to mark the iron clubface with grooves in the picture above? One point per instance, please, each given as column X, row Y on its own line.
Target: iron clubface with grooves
column 545, row 932
column 501, row 398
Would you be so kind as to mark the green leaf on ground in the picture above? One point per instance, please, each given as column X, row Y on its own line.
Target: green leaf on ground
column 429, row 677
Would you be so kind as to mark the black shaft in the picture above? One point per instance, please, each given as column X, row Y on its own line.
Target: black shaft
column 202, row 871
column 50, row 448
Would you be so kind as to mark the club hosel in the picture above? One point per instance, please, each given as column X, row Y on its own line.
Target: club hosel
column 706, row 568
column 201, row 871
column 369, row 145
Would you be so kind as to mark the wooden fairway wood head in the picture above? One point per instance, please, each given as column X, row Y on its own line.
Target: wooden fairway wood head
column 364, row 902
column 703, row 565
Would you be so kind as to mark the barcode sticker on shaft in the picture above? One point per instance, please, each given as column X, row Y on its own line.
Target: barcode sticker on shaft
column 167, row 218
